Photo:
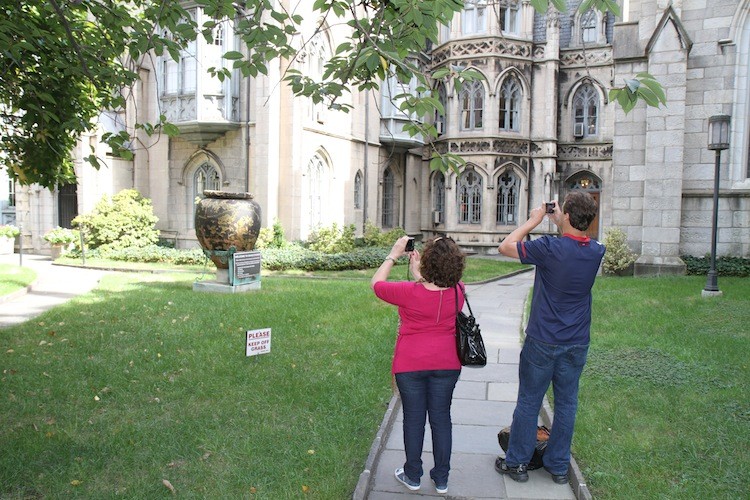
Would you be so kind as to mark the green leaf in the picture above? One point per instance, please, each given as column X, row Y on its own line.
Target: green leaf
column 233, row 55
column 171, row 130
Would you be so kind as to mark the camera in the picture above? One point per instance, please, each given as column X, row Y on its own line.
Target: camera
column 550, row 207
column 409, row 245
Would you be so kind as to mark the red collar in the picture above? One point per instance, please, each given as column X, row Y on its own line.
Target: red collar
column 582, row 239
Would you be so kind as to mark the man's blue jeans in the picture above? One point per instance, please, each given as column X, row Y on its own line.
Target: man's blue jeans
column 425, row 393
column 541, row 364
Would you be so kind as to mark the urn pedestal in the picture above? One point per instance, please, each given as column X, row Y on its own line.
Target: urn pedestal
column 226, row 223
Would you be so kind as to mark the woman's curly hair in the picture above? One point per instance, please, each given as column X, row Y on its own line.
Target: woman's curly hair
column 442, row 262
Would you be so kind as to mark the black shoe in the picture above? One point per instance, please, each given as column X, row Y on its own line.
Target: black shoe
column 560, row 478
column 517, row 473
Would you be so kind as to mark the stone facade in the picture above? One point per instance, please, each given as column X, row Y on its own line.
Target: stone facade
column 539, row 124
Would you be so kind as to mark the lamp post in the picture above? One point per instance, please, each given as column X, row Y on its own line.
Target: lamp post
column 718, row 140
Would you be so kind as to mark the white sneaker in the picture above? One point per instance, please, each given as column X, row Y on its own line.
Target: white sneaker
column 442, row 488
column 404, row 479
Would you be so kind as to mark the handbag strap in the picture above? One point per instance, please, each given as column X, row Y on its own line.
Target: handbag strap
column 466, row 299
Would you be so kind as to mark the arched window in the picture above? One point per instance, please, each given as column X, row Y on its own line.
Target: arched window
column 441, row 124
column 314, row 183
column 358, row 190
column 586, row 111
column 589, row 30
column 510, row 105
column 469, row 198
column 206, row 177
column 473, row 18
column 508, row 186
column 389, row 199
column 472, row 102
column 509, row 16
column 438, row 198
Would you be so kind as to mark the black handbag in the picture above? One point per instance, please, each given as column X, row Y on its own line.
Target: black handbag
column 469, row 343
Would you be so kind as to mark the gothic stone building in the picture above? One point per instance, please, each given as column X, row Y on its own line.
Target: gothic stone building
column 538, row 125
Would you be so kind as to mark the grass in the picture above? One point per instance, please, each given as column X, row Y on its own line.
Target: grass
column 144, row 380
column 14, row 278
column 664, row 409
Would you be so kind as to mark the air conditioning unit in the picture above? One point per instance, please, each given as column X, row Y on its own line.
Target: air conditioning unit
column 578, row 130
column 437, row 217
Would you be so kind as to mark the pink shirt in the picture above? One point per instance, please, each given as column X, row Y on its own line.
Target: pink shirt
column 427, row 326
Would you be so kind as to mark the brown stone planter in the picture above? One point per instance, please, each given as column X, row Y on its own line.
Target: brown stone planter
column 225, row 223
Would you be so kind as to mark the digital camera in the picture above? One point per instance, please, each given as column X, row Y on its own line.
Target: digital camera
column 550, row 207
column 410, row 245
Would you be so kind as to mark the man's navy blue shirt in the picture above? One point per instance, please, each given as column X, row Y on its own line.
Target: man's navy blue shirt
column 565, row 271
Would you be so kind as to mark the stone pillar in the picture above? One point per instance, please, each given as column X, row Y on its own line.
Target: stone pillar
column 667, row 54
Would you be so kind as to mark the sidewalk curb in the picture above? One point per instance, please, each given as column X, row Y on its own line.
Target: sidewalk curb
column 18, row 293
column 364, row 483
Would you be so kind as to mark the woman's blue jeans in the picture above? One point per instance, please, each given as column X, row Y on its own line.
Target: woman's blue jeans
column 425, row 393
column 541, row 364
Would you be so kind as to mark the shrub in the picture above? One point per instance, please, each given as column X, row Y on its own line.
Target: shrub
column 332, row 240
column 374, row 237
column 126, row 220
column 618, row 257
column 9, row 231
column 725, row 266
column 61, row 236
column 278, row 240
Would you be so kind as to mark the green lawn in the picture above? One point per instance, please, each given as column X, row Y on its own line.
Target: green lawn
column 14, row 278
column 664, row 409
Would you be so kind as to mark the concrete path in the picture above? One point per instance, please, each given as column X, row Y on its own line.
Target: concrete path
column 54, row 285
column 483, row 404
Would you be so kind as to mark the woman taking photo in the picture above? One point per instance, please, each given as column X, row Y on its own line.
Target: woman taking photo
column 425, row 362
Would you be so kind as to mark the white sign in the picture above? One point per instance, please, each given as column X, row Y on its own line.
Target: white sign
column 258, row 342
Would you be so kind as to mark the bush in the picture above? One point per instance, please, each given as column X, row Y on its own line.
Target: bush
column 374, row 237
column 725, row 266
column 126, row 220
column 61, row 236
column 331, row 240
column 9, row 231
column 618, row 257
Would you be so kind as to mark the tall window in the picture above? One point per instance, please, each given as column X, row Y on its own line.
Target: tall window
column 214, row 52
column 472, row 102
column 507, row 198
column 316, row 56
column 438, row 197
column 441, row 123
column 389, row 199
column 509, row 17
column 205, row 177
column 586, row 111
column 180, row 77
column 588, row 27
column 510, row 105
column 469, row 198
column 314, row 179
column 358, row 190
column 445, row 33
column 473, row 18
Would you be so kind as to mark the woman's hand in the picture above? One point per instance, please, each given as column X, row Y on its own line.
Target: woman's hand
column 399, row 248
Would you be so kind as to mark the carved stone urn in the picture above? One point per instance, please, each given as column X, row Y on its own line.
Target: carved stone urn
column 226, row 223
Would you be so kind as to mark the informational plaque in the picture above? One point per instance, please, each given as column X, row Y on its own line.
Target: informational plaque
column 245, row 267
column 258, row 342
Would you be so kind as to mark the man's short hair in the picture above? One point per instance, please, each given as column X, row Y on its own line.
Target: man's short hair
column 582, row 209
